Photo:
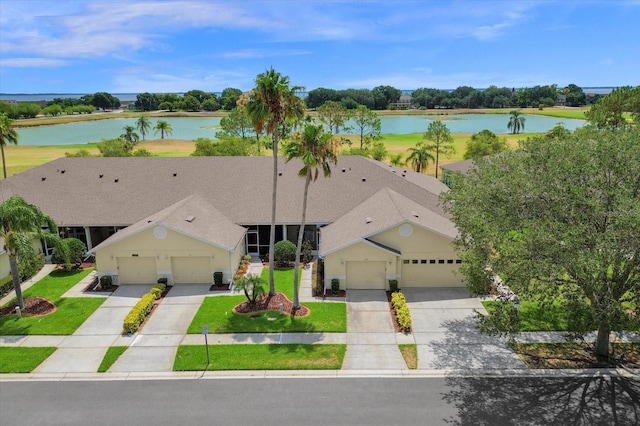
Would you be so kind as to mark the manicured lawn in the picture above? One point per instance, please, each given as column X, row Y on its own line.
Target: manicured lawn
column 260, row 357
column 216, row 312
column 574, row 355
column 533, row 317
column 22, row 360
column 70, row 312
column 112, row 355
column 283, row 279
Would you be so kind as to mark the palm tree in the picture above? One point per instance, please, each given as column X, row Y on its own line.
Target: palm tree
column 7, row 134
column 269, row 105
column 143, row 125
column 420, row 157
column 316, row 149
column 130, row 136
column 20, row 224
column 396, row 160
column 516, row 122
column 163, row 127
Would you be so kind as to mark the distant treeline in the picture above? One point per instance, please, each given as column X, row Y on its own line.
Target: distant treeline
column 379, row 98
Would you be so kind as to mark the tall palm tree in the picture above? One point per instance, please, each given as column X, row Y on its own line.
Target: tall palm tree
column 20, row 224
column 163, row 127
column 7, row 135
column 419, row 157
column 516, row 122
column 316, row 149
column 269, row 105
column 143, row 125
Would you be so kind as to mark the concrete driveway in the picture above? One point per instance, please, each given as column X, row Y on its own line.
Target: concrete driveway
column 154, row 348
column 446, row 334
column 371, row 339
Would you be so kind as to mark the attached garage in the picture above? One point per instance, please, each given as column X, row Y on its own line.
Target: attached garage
column 366, row 275
column 415, row 273
column 191, row 270
column 137, row 270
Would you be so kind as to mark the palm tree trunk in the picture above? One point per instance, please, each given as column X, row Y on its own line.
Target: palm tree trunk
column 296, row 287
column 13, row 265
column 437, row 158
column 4, row 165
column 272, row 234
column 602, row 341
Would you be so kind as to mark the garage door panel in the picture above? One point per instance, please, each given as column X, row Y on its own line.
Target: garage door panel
column 191, row 270
column 414, row 275
column 366, row 275
column 137, row 270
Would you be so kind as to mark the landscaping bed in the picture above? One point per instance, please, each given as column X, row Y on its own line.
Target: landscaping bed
column 271, row 303
column 33, row 307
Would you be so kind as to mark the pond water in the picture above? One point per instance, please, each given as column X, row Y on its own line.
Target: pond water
column 205, row 127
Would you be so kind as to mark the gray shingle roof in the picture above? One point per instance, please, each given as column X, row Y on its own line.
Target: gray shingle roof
column 383, row 210
column 192, row 216
column 461, row 166
column 84, row 191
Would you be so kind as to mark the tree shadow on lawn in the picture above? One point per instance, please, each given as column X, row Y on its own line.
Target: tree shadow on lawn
column 268, row 327
column 603, row 400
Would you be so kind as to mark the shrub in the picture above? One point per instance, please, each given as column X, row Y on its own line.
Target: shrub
column 70, row 251
column 6, row 285
column 393, row 286
column 246, row 257
column 106, row 281
column 335, row 286
column 307, row 251
column 29, row 266
column 401, row 309
column 163, row 280
column 284, row 251
column 138, row 313
column 158, row 289
column 217, row 279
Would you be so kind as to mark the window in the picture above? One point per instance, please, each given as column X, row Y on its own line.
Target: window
column 423, row 262
column 449, row 261
column 441, row 261
column 458, row 261
column 432, row 261
column 414, row 261
column 405, row 261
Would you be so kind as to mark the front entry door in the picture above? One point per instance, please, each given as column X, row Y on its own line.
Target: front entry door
column 252, row 242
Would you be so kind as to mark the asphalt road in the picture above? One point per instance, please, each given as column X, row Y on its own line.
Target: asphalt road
column 325, row 401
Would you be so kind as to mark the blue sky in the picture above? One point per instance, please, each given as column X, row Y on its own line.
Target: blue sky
column 174, row 46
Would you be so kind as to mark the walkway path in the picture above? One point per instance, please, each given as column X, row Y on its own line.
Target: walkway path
column 372, row 343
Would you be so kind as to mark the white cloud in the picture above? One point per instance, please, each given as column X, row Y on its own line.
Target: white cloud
column 263, row 53
column 32, row 62
column 138, row 80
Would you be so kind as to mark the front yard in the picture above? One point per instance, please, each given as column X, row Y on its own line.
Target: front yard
column 70, row 312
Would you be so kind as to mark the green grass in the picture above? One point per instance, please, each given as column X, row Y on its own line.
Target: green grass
column 112, row 355
column 216, row 312
column 409, row 352
column 534, row 317
column 22, row 360
column 260, row 357
column 283, row 279
column 70, row 312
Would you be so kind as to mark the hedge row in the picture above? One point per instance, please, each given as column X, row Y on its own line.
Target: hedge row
column 139, row 312
column 402, row 310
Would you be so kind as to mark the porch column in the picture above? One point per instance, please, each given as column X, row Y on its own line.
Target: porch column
column 87, row 233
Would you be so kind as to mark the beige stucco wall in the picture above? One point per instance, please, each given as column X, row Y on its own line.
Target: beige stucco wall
column 5, row 270
column 421, row 244
column 174, row 244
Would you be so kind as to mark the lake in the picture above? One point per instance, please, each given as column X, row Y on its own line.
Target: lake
column 190, row 128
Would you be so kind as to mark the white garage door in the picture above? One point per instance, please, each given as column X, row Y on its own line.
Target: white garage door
column 415, row 274
column 191, row 270
column 137, row 270
column 366, row 275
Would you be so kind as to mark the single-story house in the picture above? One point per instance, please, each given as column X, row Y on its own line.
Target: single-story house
column 186, row 217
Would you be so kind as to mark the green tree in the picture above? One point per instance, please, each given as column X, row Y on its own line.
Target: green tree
column 20, row 224
column 367, row 125
column 238, row 125
column 516, row 122
column 130, row 136
column 104, row 100
column 7, row 135
column 419, row 157
column 269, row 105
column 52, row 110
column 229, row 145
column 563, row 230
column 163, row 127
column 334, row 115
column 441, row 140
column 190, row 103
column 229, row 98
column 484, row 143
column 558, row 132
column 210, row 104
column 396, row 160
column 316, row 150
column 147, row 102
column 143, row 124
column 115, row 148
column 609, row 110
